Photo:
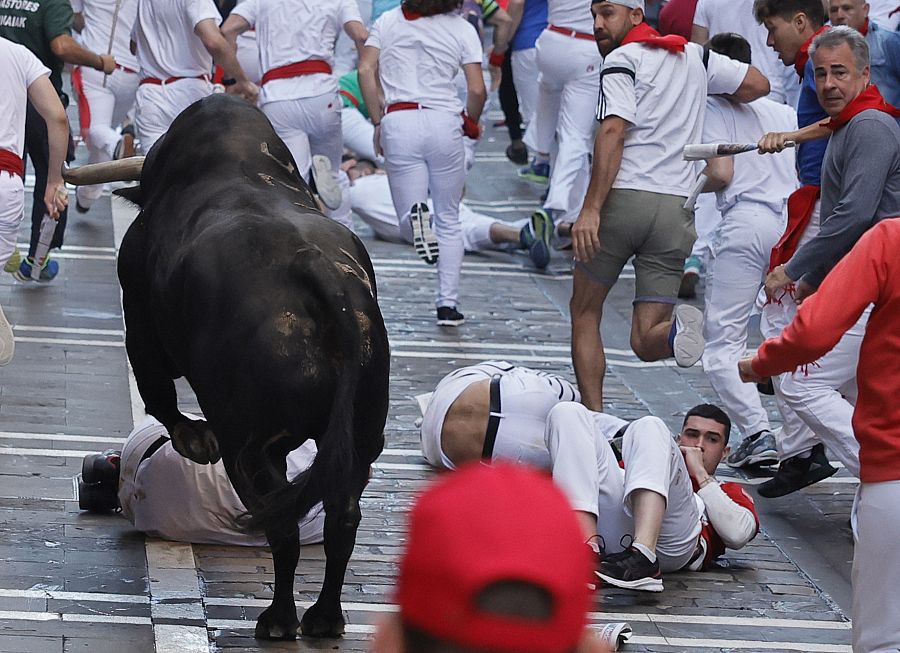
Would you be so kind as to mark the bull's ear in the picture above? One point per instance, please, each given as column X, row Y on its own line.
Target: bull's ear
column 131, row 193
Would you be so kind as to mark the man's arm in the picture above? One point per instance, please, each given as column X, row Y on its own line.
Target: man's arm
column 224, row 55
column 609, row 145
column 504, row 28
column 68, row 49
column 774, row 142
column 357, row 33
column 234, row 26
column 754, row 86
column 476, row 94
column 43, row 97
column 699, row 34
column 718, row 172
column 370, row 87
column 734, row 523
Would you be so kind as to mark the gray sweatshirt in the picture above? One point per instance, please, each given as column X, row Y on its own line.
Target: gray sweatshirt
column 860, row 186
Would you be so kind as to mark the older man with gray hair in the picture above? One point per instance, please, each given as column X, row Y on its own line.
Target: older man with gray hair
column 884, row 44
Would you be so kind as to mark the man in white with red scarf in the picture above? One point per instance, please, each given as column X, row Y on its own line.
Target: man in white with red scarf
column 652, row 102
column 105, row 100
column 299, row 90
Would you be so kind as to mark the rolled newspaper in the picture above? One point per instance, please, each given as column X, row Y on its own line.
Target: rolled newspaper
column 700, row 151
column 48, row 228
column 614, row 635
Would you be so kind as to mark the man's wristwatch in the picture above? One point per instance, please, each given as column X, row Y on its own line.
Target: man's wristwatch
column 231, row 81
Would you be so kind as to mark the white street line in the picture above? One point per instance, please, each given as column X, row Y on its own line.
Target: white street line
column 23, row 615
column 59, row 595
column 61, row 437
column 512, row 346
column 79, row 248
column 417, row 264
column 71, row 330
column 398, row 353
column 492, row 273
column 70, row 342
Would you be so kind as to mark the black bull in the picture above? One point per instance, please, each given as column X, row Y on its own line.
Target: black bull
column 232, row 279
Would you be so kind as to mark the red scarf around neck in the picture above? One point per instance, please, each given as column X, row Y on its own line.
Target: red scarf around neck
column 803, row 52
column 865, row 28
column 645, row 34
column 409, row 14
column 868, row 99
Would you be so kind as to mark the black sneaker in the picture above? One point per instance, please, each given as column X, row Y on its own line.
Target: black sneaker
column 630, row 569
column 517, row 152
column 756, row 449
column 449, row 316
column 424, row 240
column 101, row 467
column 796, row 473
column 98, row 488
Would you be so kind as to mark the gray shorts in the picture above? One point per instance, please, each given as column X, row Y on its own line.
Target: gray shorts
column 654, row 228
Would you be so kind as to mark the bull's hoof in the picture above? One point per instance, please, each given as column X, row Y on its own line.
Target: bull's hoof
column 318, row 623
column 268, row 627
column 194, row 440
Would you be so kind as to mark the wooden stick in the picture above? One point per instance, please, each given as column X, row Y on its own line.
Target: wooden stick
column 112, row 34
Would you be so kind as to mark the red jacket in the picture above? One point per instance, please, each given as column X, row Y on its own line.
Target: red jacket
column 869, row 274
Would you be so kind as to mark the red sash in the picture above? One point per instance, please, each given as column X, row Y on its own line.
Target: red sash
column 800, row 207
column 803, row 53
column 84, row 109
column 645, row 34
column 584, row 36
column 12, row 163
column 156, row 81
column 308, row 67
column 350, row 97
column 868, row 99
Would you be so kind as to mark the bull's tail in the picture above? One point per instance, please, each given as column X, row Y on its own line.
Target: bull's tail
column 332, row 471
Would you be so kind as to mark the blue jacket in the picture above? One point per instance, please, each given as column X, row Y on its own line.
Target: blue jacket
column 884, row 58
column 810, row 155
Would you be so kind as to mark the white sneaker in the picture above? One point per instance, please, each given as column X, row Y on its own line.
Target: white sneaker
column 688, row 343
column 424, row 240
column 7, row 341
column 326, row 183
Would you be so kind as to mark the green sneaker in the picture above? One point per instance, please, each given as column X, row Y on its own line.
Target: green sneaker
column 13, row 262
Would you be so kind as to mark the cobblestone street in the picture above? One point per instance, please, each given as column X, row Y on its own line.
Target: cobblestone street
column 77, row 582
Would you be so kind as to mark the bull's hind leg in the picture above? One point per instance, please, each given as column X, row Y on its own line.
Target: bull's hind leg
column 279, row 620
column 342, row 516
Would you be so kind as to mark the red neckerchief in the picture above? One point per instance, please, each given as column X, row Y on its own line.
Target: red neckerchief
column 409, row 14
column 803, row 52
column 868, row 99
column 800, row 207
column 645, row 34
column 865, row 28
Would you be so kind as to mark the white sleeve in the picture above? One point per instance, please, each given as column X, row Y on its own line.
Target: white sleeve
column 28, row 64
column 248, row 10
column 724, row 75
column 715, row 122
column 700, row 17
column 734, row 523
column 471, row 45
column 374, row 40
column 349, row 11
column 199, row 10
column 618, row 96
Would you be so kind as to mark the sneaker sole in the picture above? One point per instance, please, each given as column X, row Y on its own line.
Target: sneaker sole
column 641, row 584
column 689, row 343
column 424, row 240
column 7, row 341
column 450, row 323
column 326, row 185
column 537, row 179
column 765, row 458
column 820, row 475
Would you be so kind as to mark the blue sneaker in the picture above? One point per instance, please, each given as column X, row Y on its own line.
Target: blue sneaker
column 541, row 232
column 536, row 172
column 48, row 271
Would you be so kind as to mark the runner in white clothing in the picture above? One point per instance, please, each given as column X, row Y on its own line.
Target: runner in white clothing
column 24, row 79
column 104, row 101
column 299, row 92
column 177, row 42
column 751, row 194
column 407, row 74
column 652, row 101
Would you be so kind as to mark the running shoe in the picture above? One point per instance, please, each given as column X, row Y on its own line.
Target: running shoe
column 756, row 449
column 631, row 569
column 517, row 152
column 424, row 240
column 536, row 172
column 327, row 185
column 13, row 262
column 7, row 340
column 688, row 342
column 542, row 232
column 796, row 473
column 49, row 270
column 449, row 316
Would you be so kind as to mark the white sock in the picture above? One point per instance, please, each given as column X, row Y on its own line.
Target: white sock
column 648, row 553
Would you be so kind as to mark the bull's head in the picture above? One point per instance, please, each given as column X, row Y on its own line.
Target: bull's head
column 101, row 173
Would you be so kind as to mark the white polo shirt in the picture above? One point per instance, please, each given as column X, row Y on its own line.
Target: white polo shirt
column 420, row 58
column 19, row 69
column 765, row 178
column 572, row 14
column 736, row 16
column 289, row 31
column 98, row 22
column 662, row 97
column 166, row 43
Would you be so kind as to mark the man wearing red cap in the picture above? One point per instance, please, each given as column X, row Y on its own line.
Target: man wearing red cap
column 494, row 562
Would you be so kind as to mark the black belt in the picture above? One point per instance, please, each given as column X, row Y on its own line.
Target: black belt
column 490, row 435
column 153, row 448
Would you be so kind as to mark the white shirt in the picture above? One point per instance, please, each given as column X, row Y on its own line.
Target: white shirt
column 419, row 59
column 98, row 21
column 572, row 14
column 289, row 31
column 19, row 69
column 767, row 178
column 166, row 43
column 736, row 16
column 880, row 12
column 663, row 106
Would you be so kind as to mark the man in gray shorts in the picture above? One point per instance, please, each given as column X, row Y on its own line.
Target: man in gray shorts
column 652, row 99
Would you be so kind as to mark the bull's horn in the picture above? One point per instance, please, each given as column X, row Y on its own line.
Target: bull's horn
column 100, row 173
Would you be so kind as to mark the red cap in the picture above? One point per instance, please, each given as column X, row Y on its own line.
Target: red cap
column 485, row 524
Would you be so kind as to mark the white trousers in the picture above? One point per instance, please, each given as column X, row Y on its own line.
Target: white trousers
column 358, row 134
column 423, row 151
column 739, row 257
column 157, row 106
column 309, row 126
column 102, row 111
column 706, row 219
column 568, row 87
column 876, row 570
column 525, row 77
column 586, row 470
column 12, row 210
column 209, row 510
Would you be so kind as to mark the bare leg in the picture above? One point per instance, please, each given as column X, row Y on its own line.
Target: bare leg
column 588, row 523
column 502, row 233
column 650, row 326
column 648, row 508
column 586, row 307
